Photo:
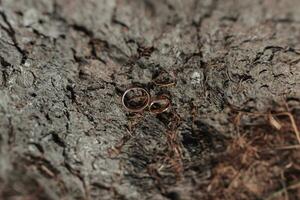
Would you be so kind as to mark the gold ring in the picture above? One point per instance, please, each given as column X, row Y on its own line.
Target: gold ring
column 164, row 103
column 139, row 108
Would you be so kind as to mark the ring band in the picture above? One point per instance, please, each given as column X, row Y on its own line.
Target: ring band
column 136, row 109
column 160, row 99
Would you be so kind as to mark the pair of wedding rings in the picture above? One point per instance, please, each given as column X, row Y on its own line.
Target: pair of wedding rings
column 139, row 103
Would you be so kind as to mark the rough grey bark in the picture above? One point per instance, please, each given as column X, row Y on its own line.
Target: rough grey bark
column 65, row 63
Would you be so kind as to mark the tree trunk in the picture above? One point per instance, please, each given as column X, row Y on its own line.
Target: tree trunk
column 231, row 131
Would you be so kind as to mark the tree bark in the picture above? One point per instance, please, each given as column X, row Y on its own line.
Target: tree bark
column 65, row 64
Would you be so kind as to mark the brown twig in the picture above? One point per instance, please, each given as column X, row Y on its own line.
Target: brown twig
column 272, row 120
column 279, row 192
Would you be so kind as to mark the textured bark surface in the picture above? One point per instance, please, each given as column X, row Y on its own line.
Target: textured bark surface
column 65, row 135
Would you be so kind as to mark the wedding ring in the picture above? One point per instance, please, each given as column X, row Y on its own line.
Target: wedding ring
column 159, row 104
column 136, row 108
